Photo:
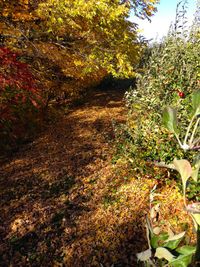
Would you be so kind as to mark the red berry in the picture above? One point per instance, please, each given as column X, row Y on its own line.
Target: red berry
column 181, row 94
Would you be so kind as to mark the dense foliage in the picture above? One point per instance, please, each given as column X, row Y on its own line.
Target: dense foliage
column 163, row 247
column 171, row 73
column 59, row 191
column 83, row 39
column 72, row 45
column 100, row 34
column 19, row 94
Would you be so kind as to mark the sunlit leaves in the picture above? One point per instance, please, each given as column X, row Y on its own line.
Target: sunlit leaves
column 173, row 242
column 100, row 31
column 182, row 260
column 170, row 119
column 184, row 168
column 185, row 250
column 163, row 253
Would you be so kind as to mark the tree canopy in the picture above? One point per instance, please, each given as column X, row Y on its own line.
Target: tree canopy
column 72, row 44
column 96, row 34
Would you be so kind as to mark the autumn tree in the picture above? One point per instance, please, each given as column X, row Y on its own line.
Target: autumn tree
column 83, row 39
column 98, row 34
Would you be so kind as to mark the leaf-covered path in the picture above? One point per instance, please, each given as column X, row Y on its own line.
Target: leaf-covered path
column 63, row 203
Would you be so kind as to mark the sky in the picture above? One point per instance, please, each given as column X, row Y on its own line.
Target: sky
column 161, row 21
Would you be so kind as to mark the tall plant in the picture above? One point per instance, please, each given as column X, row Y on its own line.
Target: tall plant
column 162, row 246
column 191, row 142
column 170, row 75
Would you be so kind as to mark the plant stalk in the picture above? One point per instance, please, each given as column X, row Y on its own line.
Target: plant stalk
column 180, row 144
column 194, row 130
column 188, row 129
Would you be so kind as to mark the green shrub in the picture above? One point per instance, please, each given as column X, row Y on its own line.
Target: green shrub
column 171, row 73
column 162, row 247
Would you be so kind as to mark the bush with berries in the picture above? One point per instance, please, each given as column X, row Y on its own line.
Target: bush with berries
column 170, row 75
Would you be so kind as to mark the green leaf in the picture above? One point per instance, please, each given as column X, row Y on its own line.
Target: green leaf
column 196, row 102
column 158, row 240
column 186, row 250
column 181, row 261
column 174, row 241
column 170, row 119
column 184, row 168
column 163, row 253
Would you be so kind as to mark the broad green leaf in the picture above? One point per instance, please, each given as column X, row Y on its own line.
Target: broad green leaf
column 158, row 240
column 184, row 168
column 174, row 241
column 163, row 253
column 196, row 102
column 144, row 255
column 170, row 119
column 186, row 250
column 181, row 261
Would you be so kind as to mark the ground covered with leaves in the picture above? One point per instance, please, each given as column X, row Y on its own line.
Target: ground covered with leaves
column 63, row 201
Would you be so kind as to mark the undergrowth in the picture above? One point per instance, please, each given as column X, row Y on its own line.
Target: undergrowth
column 170, row 74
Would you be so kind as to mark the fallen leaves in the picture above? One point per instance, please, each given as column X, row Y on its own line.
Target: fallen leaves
column 63, row 202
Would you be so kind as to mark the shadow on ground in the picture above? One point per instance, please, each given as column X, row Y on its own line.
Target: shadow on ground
column 52, row 194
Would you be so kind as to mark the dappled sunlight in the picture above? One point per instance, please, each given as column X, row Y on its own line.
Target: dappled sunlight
column 89, row 115
column 49, row 179
column 62, row 196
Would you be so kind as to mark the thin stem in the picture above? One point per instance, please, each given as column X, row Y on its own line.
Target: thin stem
column 178, row 140
column 188, row 129
column 194, row 130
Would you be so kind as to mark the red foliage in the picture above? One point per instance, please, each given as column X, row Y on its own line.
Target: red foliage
column 18, row 87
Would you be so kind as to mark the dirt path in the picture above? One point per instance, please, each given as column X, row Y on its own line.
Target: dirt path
column 59, row 205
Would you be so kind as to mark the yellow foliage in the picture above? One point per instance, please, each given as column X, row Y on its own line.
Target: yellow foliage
column 101, row 33
column 84, row 39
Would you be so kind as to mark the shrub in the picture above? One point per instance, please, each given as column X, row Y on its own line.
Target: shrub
column 19, row 95
column 162, row 247
column 170, row 75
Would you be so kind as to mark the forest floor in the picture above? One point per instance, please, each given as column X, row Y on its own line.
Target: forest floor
column 63, row 201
